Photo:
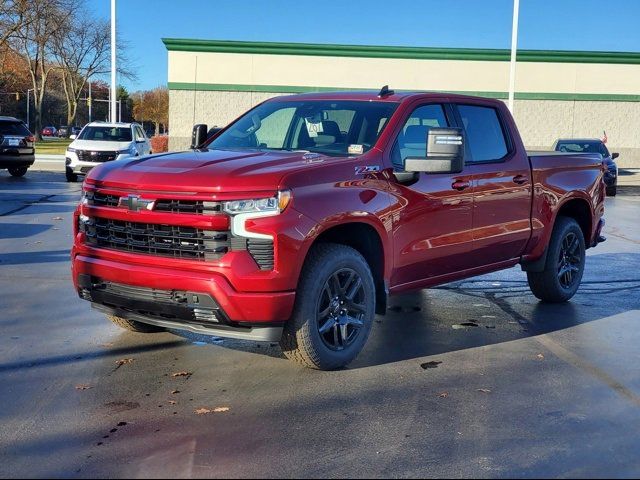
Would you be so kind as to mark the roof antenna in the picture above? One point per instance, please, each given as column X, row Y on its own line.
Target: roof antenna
column 384, row 91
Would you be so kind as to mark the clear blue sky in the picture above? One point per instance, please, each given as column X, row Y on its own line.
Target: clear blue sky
column 605, row 25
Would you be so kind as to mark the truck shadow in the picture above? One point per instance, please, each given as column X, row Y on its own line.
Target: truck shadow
column 477, row 312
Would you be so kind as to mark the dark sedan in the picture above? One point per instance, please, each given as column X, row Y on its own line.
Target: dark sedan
column 594, row 145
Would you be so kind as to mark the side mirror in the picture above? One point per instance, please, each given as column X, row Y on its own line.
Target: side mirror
column 445, row 152
column 614, row 155
column 73, row 137
column 198, row 135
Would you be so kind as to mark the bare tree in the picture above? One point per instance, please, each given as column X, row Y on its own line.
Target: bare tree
column 82, row 50
column 34, row 40
column 14, row 15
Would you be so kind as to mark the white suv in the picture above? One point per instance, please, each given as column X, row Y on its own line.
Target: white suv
column 100, row 142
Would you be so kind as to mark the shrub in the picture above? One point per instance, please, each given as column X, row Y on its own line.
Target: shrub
column 159, row 143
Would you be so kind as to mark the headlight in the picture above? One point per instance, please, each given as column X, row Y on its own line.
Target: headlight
column 273, row 205
column 128, row 151
column 86, row 198
column 71, row 150
column 243, row 210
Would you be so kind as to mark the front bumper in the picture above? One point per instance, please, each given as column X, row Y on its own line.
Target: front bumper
column 177, row 295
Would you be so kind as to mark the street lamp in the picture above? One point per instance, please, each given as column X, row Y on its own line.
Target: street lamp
column 113, row 61
column 514, row 48
column 28, row 102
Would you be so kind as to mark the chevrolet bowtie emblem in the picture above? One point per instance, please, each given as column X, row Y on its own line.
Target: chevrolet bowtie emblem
column 135, row 203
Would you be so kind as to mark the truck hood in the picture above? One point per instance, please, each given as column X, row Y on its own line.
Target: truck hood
column 215, row 171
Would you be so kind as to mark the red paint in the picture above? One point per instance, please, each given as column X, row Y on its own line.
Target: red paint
column 442, row 228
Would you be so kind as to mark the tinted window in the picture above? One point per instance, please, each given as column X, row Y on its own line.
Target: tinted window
column 331, row 127
column 577, row 146
column 139, row 134
column 14, row 128
column 412, row 139
column 107, row 134
column 484, row 133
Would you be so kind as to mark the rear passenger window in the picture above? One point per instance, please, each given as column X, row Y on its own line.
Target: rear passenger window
column 484, row 133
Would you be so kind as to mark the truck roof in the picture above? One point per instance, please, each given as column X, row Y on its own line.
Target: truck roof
column 372, row 95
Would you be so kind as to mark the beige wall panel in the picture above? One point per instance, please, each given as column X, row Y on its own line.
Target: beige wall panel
column 349, row 72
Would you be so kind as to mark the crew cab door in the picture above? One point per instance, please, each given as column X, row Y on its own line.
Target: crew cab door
column 432, row 225
column 501, row 177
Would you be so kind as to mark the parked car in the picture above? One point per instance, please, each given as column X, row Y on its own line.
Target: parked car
column 49, row 131
column 298, row 220
column 17, row 146
column 63, row 132
column 593, row 145
column 100, row 142
column 75, row 131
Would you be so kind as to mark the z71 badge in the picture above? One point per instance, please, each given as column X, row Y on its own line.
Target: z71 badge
column 361, row 170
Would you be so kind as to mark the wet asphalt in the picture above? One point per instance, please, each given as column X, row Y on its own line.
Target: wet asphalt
column 472, row 379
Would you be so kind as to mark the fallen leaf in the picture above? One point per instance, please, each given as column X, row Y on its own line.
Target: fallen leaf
column 173, row 392
column 540, row 356
column 83, row 386
column 484, row 390
column 443, row 395
column 430, row 365
column 204, row 410
column 124, row 361
column 172, row 402
column 58, row 218
column 182, row 374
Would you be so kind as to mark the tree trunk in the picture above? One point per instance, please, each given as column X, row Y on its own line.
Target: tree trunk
column 71, row 113
column 157, row 128
column 38, row 117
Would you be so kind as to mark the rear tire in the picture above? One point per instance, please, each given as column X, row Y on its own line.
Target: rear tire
column 18, row 171
column 561, row 277
column 134, row 326
column 71, row 177
column 334, row 309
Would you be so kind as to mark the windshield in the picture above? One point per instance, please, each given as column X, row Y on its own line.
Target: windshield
column 582, row 147
column 106, row 134
column 329, row 127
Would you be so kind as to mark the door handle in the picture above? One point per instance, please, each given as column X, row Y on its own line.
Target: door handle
column 460, row 185
column 520, row 179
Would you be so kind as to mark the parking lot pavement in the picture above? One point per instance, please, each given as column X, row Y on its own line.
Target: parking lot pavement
column 533, row 390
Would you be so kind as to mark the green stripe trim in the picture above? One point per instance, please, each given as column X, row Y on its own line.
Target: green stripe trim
column 224, row 87
column 379, row 51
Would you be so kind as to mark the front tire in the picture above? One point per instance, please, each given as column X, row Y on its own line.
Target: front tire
column 71, row 177
column 134, row 326
column 334, row 309
column 18, row 171
column 612, row 191
column 563, row 271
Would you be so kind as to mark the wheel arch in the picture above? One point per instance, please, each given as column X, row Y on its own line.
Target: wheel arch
column 367, row 240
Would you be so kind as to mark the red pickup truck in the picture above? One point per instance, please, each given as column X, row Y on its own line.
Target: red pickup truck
column 295, row 222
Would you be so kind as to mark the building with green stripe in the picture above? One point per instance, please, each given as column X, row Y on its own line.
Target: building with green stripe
column 558, row 93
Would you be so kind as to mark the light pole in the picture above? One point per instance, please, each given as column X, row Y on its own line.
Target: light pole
column 514, row 48
column 90, row 101
column 28, row 116
column 113, row 61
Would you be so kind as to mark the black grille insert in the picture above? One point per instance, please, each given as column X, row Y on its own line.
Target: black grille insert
column 187, row 206
column 96, row 156
column 262, row 252
column 164, row 240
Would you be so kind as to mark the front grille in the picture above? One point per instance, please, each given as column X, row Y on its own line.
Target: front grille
column 164, row 240
column 96, row 156
column 102, row 199
column 187, row 206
